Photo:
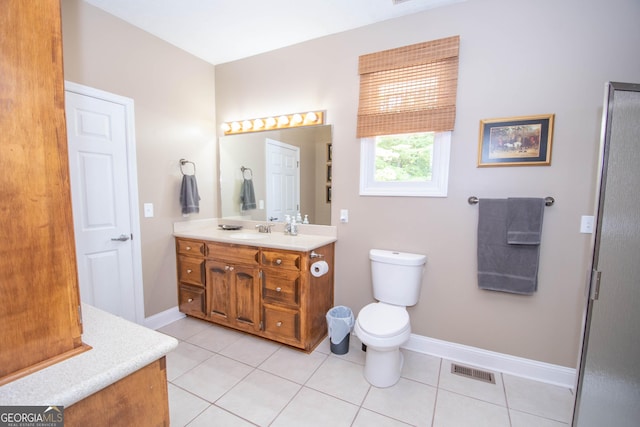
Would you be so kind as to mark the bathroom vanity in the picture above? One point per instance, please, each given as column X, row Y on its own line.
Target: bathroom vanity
column 260, row 283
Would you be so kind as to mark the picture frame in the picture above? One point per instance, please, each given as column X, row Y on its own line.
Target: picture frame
column 516, row 141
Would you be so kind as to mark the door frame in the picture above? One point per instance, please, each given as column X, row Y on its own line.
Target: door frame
column 132, row 172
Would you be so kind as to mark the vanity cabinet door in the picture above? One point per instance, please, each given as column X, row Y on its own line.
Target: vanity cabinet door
column 281, row 287
column 191, row 300
column 190, row 270
column 190, row 247
column 233, row 293
column 282, row 324
column 281, row 259
column 218, row 291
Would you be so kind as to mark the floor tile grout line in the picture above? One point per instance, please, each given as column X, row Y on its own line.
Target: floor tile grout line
column 326, row 356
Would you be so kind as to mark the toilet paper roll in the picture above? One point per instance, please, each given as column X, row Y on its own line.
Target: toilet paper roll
column 319, row 268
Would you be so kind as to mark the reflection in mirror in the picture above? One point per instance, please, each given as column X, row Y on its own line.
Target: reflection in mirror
column 249, row 151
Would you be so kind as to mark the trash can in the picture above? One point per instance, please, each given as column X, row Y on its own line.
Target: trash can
column 340, row 322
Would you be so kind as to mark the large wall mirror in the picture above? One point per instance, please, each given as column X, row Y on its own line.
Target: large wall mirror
column 246, row 157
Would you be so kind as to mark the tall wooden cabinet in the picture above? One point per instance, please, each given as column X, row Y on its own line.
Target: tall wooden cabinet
column 40, row 319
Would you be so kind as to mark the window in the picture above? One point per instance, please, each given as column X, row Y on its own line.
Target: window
column 405, row 165
column 405, row 118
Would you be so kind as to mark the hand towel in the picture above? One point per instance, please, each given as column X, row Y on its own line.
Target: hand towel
column 501, row 266
column 247, row 195
column 189, row 197
column 524, row 221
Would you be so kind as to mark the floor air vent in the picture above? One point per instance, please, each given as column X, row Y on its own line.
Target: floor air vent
column 475, row 374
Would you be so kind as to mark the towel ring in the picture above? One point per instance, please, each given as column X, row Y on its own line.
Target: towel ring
column 184, row 162
column 243, row 169
column 548, row 201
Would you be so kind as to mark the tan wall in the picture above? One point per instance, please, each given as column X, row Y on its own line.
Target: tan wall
column 174, row 95
column 516, row 58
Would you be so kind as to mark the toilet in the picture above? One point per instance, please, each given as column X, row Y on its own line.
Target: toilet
column 384, row 326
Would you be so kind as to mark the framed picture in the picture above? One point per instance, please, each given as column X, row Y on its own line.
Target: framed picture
column 516, row 141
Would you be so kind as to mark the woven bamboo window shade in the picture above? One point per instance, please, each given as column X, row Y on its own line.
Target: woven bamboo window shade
column 409, row 89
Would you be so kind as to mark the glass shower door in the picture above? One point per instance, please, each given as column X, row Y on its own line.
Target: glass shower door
column 609, row 384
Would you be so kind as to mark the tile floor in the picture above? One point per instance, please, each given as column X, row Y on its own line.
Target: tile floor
column 220, row 377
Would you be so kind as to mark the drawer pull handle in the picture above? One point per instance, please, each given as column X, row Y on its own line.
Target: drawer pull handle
column 278, row 289
column 278, row 261
column 188, row 271
column 188, row 248
column 228, row 268
column 190, row 300
column 278, row 324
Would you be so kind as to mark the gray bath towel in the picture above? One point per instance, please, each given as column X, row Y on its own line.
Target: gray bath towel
column 524, row 221
column 189, row 196
column 501, row 266
column 247, row 195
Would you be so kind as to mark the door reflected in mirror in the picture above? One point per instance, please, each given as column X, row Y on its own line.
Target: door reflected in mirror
column 274, row 194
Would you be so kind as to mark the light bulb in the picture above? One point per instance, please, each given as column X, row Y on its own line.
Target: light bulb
column 246, row 125
column 296, row 119
column 258, row 124
column 271, row 122
column 235, row 126
column 283, row 121
column 226, row 127
column 311, row 117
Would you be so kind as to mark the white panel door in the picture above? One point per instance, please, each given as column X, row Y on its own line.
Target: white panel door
column 100, row 193
column 283, row 180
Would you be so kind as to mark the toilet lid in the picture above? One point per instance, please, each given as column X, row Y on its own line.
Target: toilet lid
column 383, row 320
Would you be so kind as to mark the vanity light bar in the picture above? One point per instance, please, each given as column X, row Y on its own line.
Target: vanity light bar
column 286, row 121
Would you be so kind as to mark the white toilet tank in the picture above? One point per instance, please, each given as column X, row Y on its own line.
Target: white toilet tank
column 396, row 276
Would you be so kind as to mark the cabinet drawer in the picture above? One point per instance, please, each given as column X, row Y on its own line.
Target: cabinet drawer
column 236, row 254
column 281, row 286
column 191, row 270
column 191, row 300
column 189, row 247
column 282, row 323
column 281, row 259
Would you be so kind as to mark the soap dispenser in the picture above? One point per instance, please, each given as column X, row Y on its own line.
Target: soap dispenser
column 294, row 227
column 287, row 225
column 306, row 219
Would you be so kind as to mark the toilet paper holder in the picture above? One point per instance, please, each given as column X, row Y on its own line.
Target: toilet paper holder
column 313, row 254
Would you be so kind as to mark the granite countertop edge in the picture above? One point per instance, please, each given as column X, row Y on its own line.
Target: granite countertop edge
column 119, row 348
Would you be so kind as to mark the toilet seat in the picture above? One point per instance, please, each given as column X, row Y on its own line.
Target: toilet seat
column 382, row 320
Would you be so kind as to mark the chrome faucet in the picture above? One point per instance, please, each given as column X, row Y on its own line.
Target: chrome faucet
column 264, row 228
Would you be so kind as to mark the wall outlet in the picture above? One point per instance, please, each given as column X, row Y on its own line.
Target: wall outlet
column 148, row 210
column 344, row 215
column 586, row 224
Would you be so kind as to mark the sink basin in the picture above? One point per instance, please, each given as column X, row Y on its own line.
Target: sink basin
column 248, row 236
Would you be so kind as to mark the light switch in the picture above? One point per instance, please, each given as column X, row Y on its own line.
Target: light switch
column 148, row 210
column 586, row 224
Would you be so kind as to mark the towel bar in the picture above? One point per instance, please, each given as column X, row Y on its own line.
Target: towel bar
column 243, row 169
column 184, row 162
column 548, row 201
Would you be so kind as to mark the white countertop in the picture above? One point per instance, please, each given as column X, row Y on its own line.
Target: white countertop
column 309, row 236
column 119, row 348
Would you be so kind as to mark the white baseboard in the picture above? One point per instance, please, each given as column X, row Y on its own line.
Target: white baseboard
column 476, row 357
column 163, row 318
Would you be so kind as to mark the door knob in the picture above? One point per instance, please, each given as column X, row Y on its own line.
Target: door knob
column 122, row 238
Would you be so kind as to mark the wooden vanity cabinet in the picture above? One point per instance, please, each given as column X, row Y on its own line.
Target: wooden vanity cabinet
column 263, row 291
